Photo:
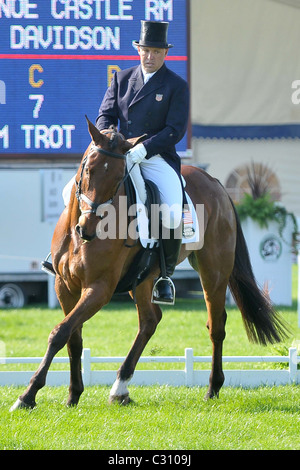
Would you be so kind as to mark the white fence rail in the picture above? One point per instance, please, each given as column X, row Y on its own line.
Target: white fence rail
column 188, row 376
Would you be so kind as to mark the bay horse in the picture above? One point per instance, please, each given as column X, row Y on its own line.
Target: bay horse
column 88, row 269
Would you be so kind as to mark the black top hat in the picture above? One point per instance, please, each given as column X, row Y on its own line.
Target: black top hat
column 154, row 34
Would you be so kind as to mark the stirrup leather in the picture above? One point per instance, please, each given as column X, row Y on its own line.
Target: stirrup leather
column 155, row 294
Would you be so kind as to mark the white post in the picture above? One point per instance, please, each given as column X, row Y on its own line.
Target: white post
column 292, row 364
column 86, row 365
column 189, row 367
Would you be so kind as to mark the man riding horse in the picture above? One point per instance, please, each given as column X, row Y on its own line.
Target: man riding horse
column 87, row 274
column 150, row 98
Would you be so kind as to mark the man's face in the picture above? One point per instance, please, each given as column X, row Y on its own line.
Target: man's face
column 152, row 58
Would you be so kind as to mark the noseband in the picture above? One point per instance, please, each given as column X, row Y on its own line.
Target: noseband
column 82, row 197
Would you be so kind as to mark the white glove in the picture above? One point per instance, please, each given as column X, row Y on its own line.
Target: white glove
column 137, row 153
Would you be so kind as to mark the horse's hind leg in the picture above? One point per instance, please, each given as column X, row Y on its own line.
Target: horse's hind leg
column 149, row 316
column 214, row 281
column 217, row 336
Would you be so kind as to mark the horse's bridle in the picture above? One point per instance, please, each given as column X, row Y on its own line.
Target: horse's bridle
column 82, row 197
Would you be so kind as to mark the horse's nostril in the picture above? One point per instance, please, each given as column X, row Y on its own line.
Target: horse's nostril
column 78, row 229
column 83, row 235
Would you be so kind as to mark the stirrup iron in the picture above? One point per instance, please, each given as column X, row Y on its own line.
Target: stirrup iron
column 47, row 266
column 154, row 297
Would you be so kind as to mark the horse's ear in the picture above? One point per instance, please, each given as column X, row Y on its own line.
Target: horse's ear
column 95, row 134
column 136, row 140
column 129, row 143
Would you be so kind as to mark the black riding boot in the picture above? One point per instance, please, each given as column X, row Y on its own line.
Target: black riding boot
column 164, row 289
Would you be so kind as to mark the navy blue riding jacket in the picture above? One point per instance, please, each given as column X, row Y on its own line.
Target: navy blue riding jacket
column 160, row 108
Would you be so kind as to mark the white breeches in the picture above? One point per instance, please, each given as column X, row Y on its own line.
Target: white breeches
column 157, row 170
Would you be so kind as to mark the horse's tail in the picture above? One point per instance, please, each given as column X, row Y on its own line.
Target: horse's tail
column 263, row 324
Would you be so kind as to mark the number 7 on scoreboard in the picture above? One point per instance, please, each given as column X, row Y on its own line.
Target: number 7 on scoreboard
column 39, row 101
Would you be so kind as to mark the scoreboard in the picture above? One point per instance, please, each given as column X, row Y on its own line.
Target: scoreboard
column 57, row 58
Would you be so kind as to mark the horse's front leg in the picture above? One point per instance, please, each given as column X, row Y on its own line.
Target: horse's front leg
column 56, row 341
column 74, row 344
column 149, row 316
column 91, row 301
column 76, row 383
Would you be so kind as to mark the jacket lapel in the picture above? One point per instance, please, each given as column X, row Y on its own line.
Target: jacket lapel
column 154, row 83
column 136, row 82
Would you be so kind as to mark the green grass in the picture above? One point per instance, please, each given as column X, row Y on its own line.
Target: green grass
column 163, row 417
column 111, row 332
column 169, row 418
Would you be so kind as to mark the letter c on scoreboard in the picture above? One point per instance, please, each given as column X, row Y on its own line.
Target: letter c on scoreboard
column 32, row 69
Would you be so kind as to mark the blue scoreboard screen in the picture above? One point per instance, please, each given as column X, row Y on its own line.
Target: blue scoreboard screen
column 57, row 58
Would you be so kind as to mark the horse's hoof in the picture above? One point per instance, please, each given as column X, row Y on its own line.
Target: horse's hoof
column 211, row 395
column 20, row 404
column 126, row 400
column 71, row 404
column 121, row 399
